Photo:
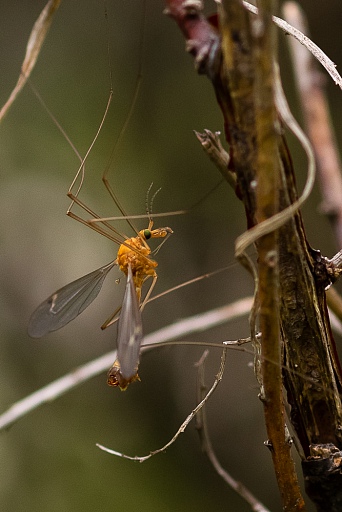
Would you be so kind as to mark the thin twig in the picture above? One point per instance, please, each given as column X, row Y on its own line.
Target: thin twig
column 202, row 428
column 322, row 58
column 183, row 426
column 85, row 372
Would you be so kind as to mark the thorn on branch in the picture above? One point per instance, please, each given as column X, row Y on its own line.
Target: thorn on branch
column 268, row 445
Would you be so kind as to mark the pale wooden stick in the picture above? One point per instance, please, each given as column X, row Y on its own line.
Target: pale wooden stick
column 310, row 84
column 85, row 372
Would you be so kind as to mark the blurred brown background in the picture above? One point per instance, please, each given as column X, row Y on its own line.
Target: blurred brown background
column 49, row 458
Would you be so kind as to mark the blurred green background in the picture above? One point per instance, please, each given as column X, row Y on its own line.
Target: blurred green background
column 49, row 459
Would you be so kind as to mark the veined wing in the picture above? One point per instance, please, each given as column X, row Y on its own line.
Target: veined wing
column 130, row 334
column 67, row 303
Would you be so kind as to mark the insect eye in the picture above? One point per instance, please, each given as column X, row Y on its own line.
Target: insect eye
column 147, row 234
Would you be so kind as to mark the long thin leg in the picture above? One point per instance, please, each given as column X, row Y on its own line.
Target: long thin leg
column 112, row 319
column 147, row 296
column 81, row 167
column 157, row 249
column 92, row 225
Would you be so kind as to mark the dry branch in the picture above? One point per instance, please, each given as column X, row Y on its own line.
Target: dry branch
column 238, row 59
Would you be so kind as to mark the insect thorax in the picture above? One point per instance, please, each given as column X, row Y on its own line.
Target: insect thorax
column 137, row 258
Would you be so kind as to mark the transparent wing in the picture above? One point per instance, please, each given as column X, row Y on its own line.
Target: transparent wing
column 67, row 303
column 130, row 334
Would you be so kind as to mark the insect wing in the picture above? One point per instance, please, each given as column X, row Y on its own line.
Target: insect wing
column 130, row 333
column 67, row 303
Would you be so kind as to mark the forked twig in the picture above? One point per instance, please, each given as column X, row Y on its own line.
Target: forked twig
column 183, row 426
column 202, row 428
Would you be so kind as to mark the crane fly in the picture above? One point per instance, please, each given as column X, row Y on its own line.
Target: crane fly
column 134, row 260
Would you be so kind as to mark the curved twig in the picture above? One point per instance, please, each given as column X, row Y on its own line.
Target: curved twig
column 322, row 58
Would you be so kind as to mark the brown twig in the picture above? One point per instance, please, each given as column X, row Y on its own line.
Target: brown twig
column 268, row 179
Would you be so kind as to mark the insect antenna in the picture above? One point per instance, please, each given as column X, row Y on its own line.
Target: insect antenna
column 149, row 203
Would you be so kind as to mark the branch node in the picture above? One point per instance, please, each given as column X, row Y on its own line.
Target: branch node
column 268, row 445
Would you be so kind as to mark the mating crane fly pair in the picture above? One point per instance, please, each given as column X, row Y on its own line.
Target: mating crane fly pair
column 133, row 259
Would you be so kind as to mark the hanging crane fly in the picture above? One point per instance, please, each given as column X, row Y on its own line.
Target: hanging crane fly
column 133, row 259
